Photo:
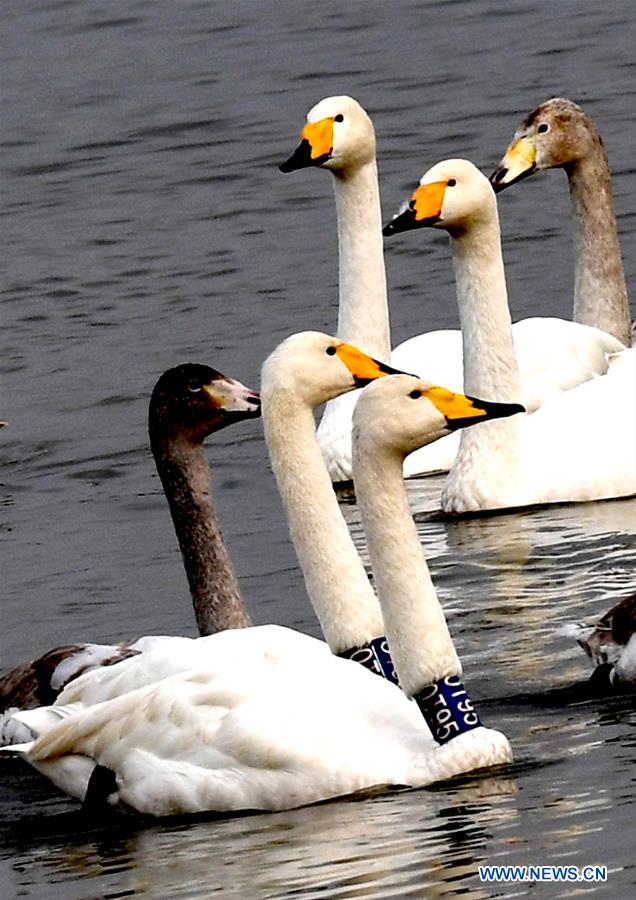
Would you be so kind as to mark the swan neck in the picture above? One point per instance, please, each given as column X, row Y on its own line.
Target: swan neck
column 185, row 476
column 336, row 582
column 600, row 292
column 490, row 365
column 363, row 316
column 421, row 646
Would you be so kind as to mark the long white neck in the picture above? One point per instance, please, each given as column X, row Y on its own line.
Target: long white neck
column 420, row 643
column 490, row 365
column 600, row 293
column 363, row 316
column 336, row 581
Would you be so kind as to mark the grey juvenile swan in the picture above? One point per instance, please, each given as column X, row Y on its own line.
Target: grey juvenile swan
column 189, row 402
column 558, row 134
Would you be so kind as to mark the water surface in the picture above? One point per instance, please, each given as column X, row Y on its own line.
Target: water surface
column 145, row 223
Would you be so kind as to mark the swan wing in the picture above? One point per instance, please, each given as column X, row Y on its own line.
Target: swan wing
column 555, row 355
column 280, row 728
column 161, row 657
column 281, row 735
column 583, row 441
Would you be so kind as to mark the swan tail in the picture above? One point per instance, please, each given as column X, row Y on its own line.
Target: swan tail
column 18, row 749
column 22, row 725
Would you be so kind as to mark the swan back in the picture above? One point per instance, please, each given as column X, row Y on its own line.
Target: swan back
column 277, row 726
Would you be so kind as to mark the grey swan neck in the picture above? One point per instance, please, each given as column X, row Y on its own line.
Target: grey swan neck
column 421, row 646
column 600, row 292
column 336, row 582
column 185, row 476
column 363, row 313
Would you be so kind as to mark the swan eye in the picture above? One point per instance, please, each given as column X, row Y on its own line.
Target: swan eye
column 543, row 128
column 338, row 118
column 415, row 395
column 331, row 351
column 194, row 386
column 451, row 182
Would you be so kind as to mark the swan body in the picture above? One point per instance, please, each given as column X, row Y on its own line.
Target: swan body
column 266, row 718
column 188, row 403
column 279, row 726
column 559, row 134
column 553, row 354
column 581, row 443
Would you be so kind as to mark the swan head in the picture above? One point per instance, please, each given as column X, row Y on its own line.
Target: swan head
column 339, row 135
column 312, row 368
column 555, row 134
column 191, row 401
column 403, row 413
column 453, row 195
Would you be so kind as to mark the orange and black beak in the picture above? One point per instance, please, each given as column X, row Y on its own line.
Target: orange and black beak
column 364, row 369
column 423, row 209
column 460, row 410
column 315, row 148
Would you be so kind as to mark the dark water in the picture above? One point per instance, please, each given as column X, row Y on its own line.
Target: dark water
column 145, row 223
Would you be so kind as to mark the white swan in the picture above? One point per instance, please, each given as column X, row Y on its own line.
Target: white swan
column 553, row 354
column 559, row 134
column 580, row 444
column 274, row 720
column 188, row 403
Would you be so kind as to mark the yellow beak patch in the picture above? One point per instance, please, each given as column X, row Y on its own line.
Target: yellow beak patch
column 427, row 200
column 319, row 135
column 363, row 368
column 454, row 406
column 520, row 156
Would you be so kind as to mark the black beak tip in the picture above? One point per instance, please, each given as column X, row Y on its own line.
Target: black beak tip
column 301, row 158
column 406, row 221
column 287, row 166
column 389, row 370
column 402, row 222
column 496, row 178
column 502, row 410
